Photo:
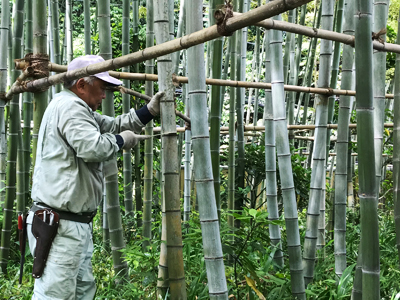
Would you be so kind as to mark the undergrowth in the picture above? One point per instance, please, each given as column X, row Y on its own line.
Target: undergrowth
column 250, row 270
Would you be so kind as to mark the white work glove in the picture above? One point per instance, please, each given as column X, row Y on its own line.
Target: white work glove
column 154, row 105
column 131, row 139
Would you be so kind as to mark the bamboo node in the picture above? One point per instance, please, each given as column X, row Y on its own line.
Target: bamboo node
column 377, row 36
column 221, row 16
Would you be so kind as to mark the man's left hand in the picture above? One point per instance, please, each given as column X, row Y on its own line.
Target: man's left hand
column 154, row 105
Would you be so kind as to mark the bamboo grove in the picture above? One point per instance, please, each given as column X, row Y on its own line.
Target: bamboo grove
column 314, row 106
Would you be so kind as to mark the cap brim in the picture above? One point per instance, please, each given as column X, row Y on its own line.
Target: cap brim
column 107, row 78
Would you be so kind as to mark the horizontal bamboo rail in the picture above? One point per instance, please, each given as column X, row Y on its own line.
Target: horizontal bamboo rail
column 262, row 128
column 207, row 34
column 147, row 100
column 322, row 34
column 220, row 82
column 334, row 154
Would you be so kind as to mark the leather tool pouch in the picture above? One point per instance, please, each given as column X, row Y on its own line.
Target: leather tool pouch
column 44, row 234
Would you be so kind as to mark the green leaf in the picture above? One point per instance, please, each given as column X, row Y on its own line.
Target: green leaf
column 252, row 212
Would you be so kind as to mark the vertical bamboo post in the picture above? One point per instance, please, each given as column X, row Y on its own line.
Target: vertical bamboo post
column 5, row 25
column 111, row 170
column 212, row 247
column 86, row 13
column 396, row 147
column 315, row 234
column 215, row 113
column 379, row 80
column 368, row 188
column 285, row 166
column 14, row 134
column 342, row 162
column 170, row 163
column 126, row 102
column 68, row 29
column 148, row 144
column 271, row 187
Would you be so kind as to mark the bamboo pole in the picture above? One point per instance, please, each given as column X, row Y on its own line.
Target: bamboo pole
column 55, row 21
column 170, row 163
column 216, row 101
column 111, row 170
column 27, row 101
column 4, row 30
column 86, row 13
column 182, row 79
column 241, row 49
column 271, row 187
column 148, row 144
column 289, row 127
column 14, row 135
column 68, row 30
column 136, row 149
column 322, row 34
column 396, row 148
column 379, row 80
column 368, row 191
column 126, row 105
column 212, row 247
column 342, row 147
column 285, row 166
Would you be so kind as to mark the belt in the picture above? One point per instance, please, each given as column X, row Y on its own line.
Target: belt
column 85, row 217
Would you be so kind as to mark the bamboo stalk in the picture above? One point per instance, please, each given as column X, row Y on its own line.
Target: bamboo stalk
column 216, row 103
column 111, row 170
column 27, row 101
column 56, row 35
column 86, row 12
column 68, row 30
column 396, row 148
column 285, row 166
column 212, row 247
column 148, row 144
column 379, row 79
column 271, row 187
column 368, row 191
column 170, row 163
column 126, row 105
column 14, row 135
column 322, row 34
column 4, row 30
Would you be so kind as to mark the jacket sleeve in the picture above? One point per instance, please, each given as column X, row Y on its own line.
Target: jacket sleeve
column 82, row 133
column 128, row 121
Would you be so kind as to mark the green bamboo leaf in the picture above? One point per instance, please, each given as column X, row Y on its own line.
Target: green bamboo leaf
column 345, row 280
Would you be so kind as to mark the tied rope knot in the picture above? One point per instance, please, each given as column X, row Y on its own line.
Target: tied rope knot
column 221, row 16
column 377, row 36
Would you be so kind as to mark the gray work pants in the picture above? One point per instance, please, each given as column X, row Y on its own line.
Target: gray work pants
column 68, row 273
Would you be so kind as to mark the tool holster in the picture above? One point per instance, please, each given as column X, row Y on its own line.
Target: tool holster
column 44, row 234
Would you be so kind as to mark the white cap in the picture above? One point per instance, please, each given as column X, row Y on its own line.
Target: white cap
column 83, row 61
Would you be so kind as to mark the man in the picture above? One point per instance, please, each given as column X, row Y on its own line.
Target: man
column 74, row 141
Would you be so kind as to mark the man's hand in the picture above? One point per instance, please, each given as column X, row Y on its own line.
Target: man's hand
column 154, row 105
column 131, row 139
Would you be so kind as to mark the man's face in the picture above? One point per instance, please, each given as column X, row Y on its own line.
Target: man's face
column 94, row 94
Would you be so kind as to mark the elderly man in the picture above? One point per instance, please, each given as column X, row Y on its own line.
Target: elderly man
column 74, row 141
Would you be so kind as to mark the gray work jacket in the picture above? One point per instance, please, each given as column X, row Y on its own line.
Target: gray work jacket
column 73, row 143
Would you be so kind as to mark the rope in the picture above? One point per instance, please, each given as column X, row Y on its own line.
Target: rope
column 221, row 17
